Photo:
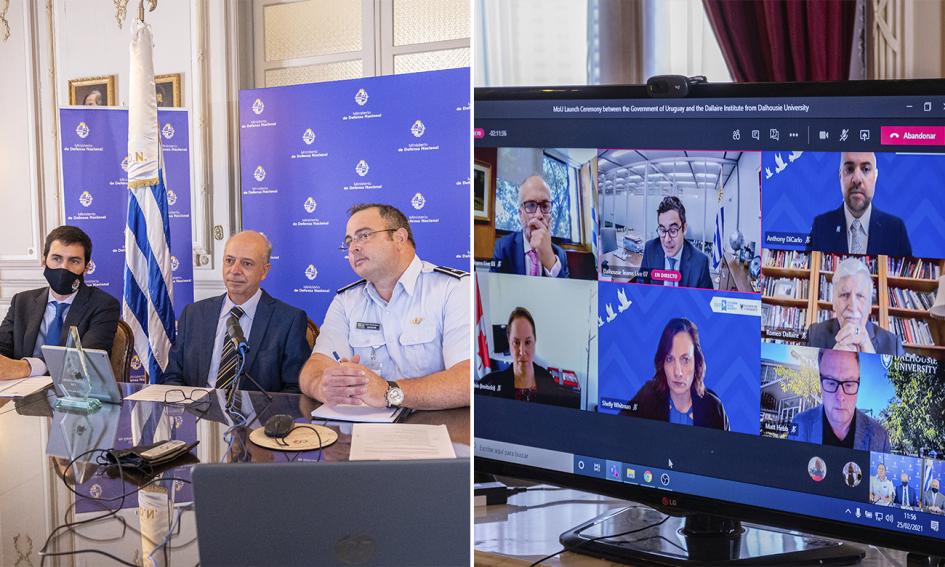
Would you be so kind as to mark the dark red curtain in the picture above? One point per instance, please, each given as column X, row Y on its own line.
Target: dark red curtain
column 784, row 40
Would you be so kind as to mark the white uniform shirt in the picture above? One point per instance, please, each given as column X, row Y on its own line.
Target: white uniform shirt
column 423, row 329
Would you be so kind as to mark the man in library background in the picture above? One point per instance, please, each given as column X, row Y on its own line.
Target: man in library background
column 851, row 328
column 671, row 251
column 530, row 252
column 857, row 227
column 836, row 421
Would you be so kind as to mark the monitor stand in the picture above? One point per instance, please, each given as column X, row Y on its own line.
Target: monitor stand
column 642, row 534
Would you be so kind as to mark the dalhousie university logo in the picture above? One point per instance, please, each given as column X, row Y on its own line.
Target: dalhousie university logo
column 82, row 130
column 175, row 263
column 362, row 168
column 258, row 106
column 418, row 129
column 260, row 173
column 310, row 272
column 308, row 137
column 91, row 269
column 361, row 97
column 167, row 131
column 171, row 197
column 310, row 205
column 418, row 201
column 85, row 199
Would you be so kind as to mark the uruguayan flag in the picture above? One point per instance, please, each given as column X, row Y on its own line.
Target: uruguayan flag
column 147, row 305
column 717, row 239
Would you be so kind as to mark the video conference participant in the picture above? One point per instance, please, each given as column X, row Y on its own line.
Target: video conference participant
column 677, row 392
column 43, row 316
column 905, row 496
column 836, row 421
column 850, row 328
column 933, row 501
column 671, row 250
column 530, row 251
column 857, row 227
column 400, row 335
column 203, row 354
column 881, row 488
column 524, row 380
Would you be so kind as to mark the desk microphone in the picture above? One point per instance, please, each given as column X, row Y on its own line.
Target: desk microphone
column 236, row 335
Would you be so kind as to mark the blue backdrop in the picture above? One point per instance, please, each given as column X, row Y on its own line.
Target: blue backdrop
column 310, row 152
column 908, row 186
column 95, row 195
column 730, row 343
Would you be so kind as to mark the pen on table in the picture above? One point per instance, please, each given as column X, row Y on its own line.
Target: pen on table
column 334, row 353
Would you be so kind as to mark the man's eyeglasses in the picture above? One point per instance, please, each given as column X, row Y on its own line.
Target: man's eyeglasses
column 830, row 385
column 362, row 237
column 196, row 396
column 673, row 230
column 532, row 206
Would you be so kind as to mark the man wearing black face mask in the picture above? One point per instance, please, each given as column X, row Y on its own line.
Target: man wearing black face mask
column 43, row 316
column 933, row 501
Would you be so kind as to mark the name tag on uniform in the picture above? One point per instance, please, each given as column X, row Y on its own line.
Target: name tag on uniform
column 369, row 326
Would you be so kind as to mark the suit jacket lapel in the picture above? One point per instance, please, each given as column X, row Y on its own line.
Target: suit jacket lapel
column 206, row 331
column 875, row 229
column 519, row 252
column 259, row 328
column 36, row 312
column 684, row 263
column 77, row 312
column 839, row 236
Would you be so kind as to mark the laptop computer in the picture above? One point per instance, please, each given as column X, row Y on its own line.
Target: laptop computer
column 345, row 513
column 104, row 386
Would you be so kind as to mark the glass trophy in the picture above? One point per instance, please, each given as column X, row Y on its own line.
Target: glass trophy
column 76, row 379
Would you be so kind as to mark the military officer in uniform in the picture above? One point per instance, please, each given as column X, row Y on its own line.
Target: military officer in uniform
column 400, row 335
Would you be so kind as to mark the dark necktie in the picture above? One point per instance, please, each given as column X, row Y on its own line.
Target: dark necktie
column 229, row 358
column 672, row 266
column 55, row 326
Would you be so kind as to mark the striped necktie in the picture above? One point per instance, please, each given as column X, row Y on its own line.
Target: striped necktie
column 229, row 358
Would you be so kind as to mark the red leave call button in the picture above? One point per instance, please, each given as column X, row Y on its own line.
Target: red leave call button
column 665, row 275
column 913, row 135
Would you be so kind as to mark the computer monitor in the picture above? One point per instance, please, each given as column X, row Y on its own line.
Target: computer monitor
column 727, row 304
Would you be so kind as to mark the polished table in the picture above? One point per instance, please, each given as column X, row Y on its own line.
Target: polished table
column 34, row 500
column 526, row 529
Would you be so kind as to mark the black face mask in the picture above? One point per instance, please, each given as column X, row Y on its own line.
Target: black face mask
column 934, row 491
column 62, row 281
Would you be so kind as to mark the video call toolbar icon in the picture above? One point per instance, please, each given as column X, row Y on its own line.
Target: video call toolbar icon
column 864, row 135
column 774, row 134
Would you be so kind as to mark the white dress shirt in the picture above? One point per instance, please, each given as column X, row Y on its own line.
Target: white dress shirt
column 552, row 273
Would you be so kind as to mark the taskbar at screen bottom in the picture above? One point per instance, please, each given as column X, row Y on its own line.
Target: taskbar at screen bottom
column 893, row 518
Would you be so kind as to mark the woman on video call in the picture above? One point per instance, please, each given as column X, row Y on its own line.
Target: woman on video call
column 677, row 391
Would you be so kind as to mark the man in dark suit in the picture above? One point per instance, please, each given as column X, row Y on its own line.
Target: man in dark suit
column 43, row 316
column 851, row 328
column 906, row 496
column 857, row 227
column 203, row 354
column 530, row 251
column 671, row 252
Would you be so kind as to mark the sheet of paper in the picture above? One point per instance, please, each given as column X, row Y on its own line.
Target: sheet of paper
column 400, row 441
column 359, row 414
column 169, row 393
column 24, row 386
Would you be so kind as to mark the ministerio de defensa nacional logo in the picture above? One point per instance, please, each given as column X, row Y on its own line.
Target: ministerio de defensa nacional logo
column 175, row 263
column 418, row 201
column 308, row 137
column 310, row 205
column 171, row 197
column 362, row 168
column 167, row 131
column 361, row 97
column 418, row 129
column 260, row 173
column 82, row 130
column 124, row 164
column 258, row 106
column 91, row 269
column 85, row 199
column 310, row 272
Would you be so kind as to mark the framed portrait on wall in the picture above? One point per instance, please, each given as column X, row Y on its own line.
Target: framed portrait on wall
column 482, row 190
column 168, row 90
column 94, row 91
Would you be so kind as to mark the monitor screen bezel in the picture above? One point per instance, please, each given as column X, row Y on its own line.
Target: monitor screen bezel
column 677, row 503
